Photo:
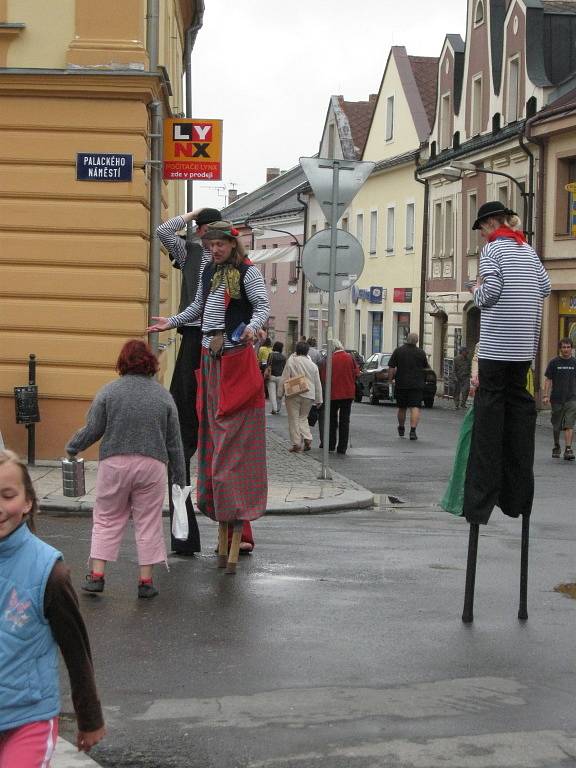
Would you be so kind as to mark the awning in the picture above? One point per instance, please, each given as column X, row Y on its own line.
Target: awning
column 273, row 255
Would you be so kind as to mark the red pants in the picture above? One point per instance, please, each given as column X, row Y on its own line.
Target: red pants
column 29, row 746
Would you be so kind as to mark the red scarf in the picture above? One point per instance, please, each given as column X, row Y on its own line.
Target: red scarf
column 507, row 232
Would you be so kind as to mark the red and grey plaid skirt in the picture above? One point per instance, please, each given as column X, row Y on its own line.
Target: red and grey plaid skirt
column 232, row 475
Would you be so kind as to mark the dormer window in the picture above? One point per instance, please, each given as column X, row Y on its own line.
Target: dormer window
column 479, row 13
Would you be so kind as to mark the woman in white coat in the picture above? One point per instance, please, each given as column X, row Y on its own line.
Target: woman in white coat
column 298, row 406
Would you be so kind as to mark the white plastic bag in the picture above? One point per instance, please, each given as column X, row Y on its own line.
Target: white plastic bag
column 180, row 517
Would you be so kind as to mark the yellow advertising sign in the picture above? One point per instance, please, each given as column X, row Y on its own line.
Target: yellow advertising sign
column 192, row 149
column 567, row 304
column 571, row 187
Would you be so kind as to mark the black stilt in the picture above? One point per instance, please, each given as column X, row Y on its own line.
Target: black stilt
column 523, row 608
column 468, row 613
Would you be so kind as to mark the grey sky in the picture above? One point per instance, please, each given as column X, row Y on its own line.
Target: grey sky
column 269, row 67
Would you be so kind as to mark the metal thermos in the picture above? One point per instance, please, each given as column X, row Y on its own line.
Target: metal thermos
column 73, row 479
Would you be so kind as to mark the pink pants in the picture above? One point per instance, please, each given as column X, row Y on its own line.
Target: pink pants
column 29, row 746
column 130, row 485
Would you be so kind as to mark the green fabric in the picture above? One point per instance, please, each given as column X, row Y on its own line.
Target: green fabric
column 453, row 499
column 230, row 276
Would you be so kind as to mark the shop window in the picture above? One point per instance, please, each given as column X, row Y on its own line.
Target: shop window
column 565, row 201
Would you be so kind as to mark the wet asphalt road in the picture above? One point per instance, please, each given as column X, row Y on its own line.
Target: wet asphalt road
column 339, row 642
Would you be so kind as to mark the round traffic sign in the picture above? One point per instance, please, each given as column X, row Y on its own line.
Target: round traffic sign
column 316, row 260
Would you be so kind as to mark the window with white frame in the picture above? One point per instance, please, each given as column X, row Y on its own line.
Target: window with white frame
column 479, row 13
column 410, row 225
column 448, row 229
column 345, row 224
column 389, row 118
column 390, row 225
column 445, row 121
column 513, row 96
column 331, row 140
column 476, row 105
column 503, row 194
column 437, row 230
column 360, row 228
column 472, row 233
column 373, row 232
column 313, row 229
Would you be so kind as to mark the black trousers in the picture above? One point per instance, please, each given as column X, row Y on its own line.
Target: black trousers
column 500, row 469
column 183, row 390
column 339, row 425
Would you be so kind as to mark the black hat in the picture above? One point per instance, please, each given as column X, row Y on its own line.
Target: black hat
column 207, row 216
column 494, row 208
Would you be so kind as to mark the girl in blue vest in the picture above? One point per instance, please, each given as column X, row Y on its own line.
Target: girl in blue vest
column 38, row 613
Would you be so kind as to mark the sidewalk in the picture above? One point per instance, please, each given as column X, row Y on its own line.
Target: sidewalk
column 67, row 756
column 293, row 486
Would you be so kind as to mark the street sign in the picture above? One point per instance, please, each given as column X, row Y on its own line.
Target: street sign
column 316, row 260
column 192, row 149
column 103, row 166
column 319, row 172
column 26, row 401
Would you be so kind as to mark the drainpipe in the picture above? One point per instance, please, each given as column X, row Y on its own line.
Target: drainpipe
column 424, row 260
column 302, row 275
column 191, row 34
column 155, row 122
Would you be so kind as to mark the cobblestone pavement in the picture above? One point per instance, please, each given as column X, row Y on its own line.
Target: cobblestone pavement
column 293, row 485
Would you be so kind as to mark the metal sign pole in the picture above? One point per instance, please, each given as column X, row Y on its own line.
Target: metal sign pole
column 325, row 473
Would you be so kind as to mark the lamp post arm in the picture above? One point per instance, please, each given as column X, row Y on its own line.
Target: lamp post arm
column 525, row 198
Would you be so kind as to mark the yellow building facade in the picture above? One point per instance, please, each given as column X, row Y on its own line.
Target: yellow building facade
column 74, row 255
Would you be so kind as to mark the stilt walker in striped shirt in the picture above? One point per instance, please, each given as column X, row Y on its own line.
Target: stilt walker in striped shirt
column 509, row 292
column 233, row 306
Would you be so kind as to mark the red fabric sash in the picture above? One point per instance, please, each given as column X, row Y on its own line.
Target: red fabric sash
column 513, row 234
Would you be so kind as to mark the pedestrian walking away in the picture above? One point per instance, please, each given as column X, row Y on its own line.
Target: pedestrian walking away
column 560, row 392
column 276, row 363
column 406, row 368
column 137, row 422
column 190, row 256
column 233, row 304
column 343, row 389
column 313, row 352
column 39, row 614
column 298, row 404
column 462, row 368
column 509, row 292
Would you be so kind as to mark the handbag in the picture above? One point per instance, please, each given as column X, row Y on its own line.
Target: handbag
column 267, row 373
column 180, row 516
column 296, row 385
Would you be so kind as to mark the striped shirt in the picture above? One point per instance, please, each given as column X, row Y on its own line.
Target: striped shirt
column 215, row 312
column 510, row 300
column 176, row 247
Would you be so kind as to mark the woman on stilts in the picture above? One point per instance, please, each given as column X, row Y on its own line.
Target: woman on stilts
column 233, row 306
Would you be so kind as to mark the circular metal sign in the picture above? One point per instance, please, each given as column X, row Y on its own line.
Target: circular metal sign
column 316, row 260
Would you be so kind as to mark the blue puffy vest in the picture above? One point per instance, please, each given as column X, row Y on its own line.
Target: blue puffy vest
column 29, row 681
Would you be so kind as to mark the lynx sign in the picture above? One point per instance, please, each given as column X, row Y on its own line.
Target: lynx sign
column 192, row 149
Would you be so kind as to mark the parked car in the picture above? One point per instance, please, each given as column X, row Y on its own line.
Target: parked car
column 373, row 381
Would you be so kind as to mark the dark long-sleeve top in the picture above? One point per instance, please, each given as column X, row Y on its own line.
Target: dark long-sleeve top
column 63, row 614
column 510, row 300
column 134, row 415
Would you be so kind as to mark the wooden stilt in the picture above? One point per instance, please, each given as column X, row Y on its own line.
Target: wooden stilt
column 468, row 613
column 222, row 545
column 234, row 547
column 523, row 607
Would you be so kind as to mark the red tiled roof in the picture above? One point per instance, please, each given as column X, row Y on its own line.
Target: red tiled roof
column 359, row 114
column 425, row 69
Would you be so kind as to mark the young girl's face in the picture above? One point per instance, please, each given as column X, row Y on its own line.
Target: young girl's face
column 13, row 502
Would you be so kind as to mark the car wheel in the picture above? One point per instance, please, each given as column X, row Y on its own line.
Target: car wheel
column 429, row 403
column 374, row 400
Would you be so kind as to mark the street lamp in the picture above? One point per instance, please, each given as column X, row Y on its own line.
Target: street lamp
column 457, row 168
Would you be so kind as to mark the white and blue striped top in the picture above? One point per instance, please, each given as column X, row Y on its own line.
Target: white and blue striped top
column 510, row 300
column 214, row 311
